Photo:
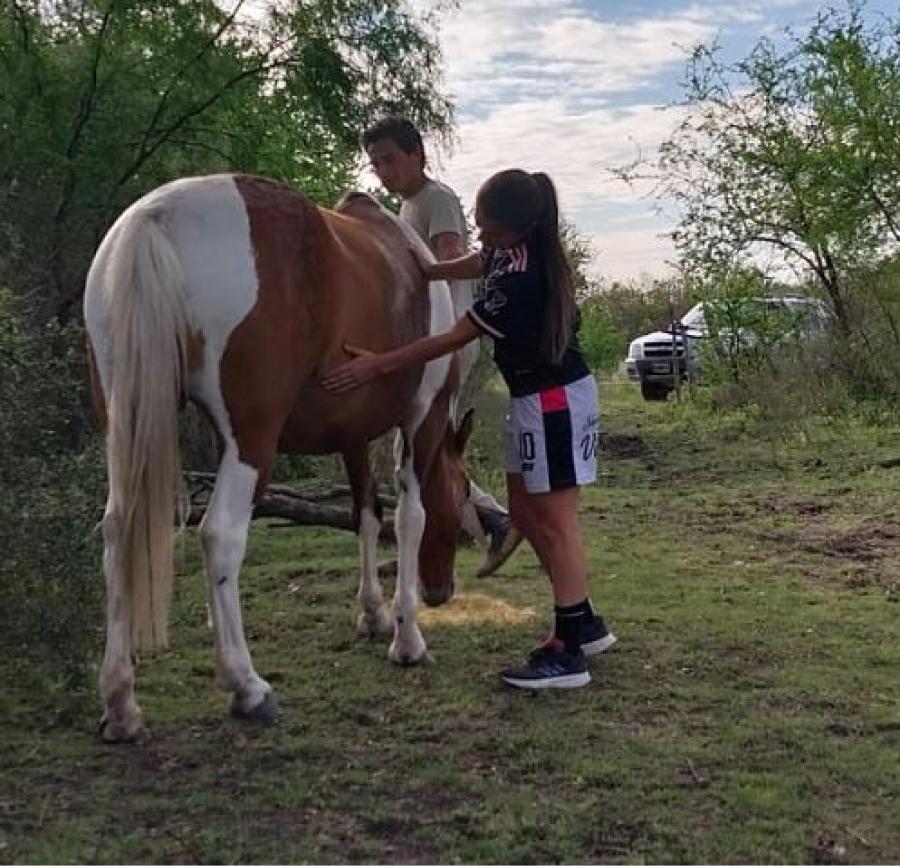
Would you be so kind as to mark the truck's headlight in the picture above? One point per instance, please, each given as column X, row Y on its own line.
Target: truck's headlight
column 636, row 350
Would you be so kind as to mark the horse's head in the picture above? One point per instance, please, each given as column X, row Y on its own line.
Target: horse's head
column 444, row 495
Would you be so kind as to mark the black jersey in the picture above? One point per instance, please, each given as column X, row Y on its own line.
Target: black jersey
column 512, row 312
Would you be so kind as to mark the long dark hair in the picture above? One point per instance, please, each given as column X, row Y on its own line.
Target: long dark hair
column 526, row 204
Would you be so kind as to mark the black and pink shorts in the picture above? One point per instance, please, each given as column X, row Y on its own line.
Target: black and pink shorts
column 552, row 437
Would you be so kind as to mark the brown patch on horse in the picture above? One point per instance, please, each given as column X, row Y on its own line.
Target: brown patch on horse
column 442, row 491
column 265, row 355
column 194, row 349
column 325, row 279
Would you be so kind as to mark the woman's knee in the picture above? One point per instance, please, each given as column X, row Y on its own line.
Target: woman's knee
column 555, row 517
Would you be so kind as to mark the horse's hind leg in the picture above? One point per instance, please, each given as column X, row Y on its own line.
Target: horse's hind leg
column 375, row 617
column 223, row 531
column 122, row 719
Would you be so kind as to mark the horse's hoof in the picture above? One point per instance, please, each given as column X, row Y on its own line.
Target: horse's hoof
column 375, row 625
column 264, row 713
column 122, row 732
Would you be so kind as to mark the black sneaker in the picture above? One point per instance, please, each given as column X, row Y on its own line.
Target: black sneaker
column 548, row 668
column 596, row 638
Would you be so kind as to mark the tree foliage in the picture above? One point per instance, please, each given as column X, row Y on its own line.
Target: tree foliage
column 102, row 100
column 795, row 150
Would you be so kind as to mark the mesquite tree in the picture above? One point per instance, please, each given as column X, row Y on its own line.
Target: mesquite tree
column 794, row 149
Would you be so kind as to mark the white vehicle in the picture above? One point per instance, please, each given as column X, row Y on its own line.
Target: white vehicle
column 654, row 360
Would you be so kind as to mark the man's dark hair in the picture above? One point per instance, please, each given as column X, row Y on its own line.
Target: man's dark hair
column 399, row 130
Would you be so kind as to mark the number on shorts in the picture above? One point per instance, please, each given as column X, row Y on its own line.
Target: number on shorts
column 526, row 446
column 590, row 442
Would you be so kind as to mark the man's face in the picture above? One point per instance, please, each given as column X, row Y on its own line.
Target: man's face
column 399, row 172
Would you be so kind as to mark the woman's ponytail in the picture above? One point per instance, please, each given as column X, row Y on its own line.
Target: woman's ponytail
column 560, row 311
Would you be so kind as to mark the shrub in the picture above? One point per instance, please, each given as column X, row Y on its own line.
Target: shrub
column 51, row 489
column 603, row 343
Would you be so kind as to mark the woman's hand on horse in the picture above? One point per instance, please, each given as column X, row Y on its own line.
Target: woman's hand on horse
column 364, row 367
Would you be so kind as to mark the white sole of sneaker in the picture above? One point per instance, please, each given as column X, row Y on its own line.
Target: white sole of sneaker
column 601, row 645
column 569, row 681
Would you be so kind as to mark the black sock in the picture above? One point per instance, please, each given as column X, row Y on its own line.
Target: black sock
column 568, row 626
column 589, row 615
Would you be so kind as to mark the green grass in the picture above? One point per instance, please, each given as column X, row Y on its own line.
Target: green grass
column 751, row 712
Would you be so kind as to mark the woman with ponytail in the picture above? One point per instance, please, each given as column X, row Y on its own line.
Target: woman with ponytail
column 552, row 426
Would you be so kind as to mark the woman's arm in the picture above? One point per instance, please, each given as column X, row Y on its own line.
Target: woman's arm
column 366, row 366
column 464, row 268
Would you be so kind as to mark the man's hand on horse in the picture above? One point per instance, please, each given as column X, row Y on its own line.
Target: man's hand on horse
column 364, row 367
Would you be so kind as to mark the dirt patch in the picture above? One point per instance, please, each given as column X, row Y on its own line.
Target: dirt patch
column 864, row 544
column 800, row 507
column 621, row 446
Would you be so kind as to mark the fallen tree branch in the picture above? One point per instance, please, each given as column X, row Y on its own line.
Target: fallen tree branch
column 300, row 513
column 207, row 480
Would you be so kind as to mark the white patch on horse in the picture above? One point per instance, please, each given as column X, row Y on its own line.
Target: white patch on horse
column 96, row 303
column 205, row 220
column 223, row 531
column 460, row 294
column 375, row 617
column 210, row 231
column 408, row 645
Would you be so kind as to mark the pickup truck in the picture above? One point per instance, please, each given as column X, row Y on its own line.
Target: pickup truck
column 654, row 360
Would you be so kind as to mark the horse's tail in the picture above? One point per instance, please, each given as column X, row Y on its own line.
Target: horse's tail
column 148, row 323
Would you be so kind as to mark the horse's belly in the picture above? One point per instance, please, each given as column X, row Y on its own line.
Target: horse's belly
column 322, row 423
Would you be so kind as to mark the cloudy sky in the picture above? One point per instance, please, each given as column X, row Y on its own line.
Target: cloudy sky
column 574, row 87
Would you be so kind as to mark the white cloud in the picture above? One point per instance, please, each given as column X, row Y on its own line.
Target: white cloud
column 545, row 86
column 577, row 151
column 565, row 87
column 624, row 255
column 493, row 48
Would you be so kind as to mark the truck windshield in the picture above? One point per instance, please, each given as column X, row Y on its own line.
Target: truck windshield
column 693, row 318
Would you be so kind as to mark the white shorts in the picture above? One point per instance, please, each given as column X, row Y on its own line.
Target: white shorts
column 552, row 437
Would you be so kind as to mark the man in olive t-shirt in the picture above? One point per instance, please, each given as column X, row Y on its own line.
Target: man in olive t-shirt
column 397, row 156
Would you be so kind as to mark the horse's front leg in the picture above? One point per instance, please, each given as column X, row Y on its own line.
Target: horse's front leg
column 375, row 616
column 223, row 531
column 408, row 646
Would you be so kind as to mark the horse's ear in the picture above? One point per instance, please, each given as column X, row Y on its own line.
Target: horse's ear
column 464, row 431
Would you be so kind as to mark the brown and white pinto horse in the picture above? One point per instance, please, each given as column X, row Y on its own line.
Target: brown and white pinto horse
column 237, row 293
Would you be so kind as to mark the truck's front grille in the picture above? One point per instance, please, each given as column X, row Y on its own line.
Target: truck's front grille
column 663, row 350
